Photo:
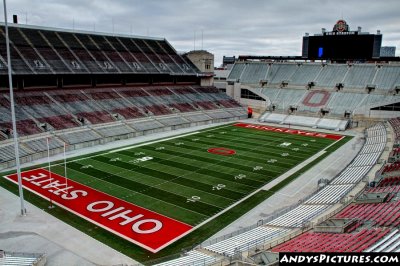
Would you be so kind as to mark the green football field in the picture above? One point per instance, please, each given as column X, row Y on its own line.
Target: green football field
column 180, row 178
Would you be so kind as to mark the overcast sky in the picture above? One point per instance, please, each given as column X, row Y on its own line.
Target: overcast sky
column 229, row 27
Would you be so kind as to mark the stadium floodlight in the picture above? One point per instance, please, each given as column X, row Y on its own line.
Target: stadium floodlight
column 14, row 124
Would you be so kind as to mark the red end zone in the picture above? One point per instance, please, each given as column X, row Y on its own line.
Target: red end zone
column 145, row 228
column 290, row 131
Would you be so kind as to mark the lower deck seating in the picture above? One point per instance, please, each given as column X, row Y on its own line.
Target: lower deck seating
column 39, row 145
column 387, row 189
column 24, row 127
column 192, row 258
column 390, row 243
column 10, row 259
column 383, row 214
column 331, row 242
column 79, row 136
column 114, row 130
column 47, row 110
column 246, row 240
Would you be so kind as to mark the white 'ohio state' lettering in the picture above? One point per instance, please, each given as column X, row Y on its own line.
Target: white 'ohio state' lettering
column 104, row 205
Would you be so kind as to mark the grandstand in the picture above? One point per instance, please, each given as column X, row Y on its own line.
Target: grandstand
column 69, row 111
column 334, row 91
column 22, row 259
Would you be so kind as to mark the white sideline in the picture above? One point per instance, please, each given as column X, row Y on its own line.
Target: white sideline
column 152, row 142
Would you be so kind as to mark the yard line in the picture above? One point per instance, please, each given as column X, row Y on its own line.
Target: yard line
column 152, row 142
column 177, row 184
column 145, row 143
column 264, row 144
column 141, row 193
column 261, row 188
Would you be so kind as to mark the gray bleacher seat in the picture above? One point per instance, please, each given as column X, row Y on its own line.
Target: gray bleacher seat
column 387, row 77
column 280, row 72
column 351, row 175
column 298, row 216
column 253, row 73
column 219, row 114
column 301, row 120
column 192, row 258
column 246, row 239
column 274, row 118
column 7, row 152
column 330, row 75
column 342, row 101
column 359, row 76
column 330, row 194
column 79, row 136
column 304, row 74
column 236, row 71
column 114, row 130
column 145, row 125
column 172, row 121
column 39, row 145
column 197, row 117
column 389, row 243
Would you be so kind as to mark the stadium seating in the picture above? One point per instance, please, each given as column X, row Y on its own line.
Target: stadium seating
column 113, row 130
column 395, row 123
column 382, row 214
column 330, row 194
column 296, row 120
column 359, row 76
column 338, row 89
column 253, row 73
column 329, row 242
column 314, row 101
column 305, row 73
column 390, row 243
column 44, row 51
column 22, row 259
column 80, row 136
column 40, row 144
column 384, row 189
column 245, row 240
column 70, row 108
column 390, row 181
column 330, row 75
column 351, row 175
column 280, row 72
column 299, row 216
column 193, row 258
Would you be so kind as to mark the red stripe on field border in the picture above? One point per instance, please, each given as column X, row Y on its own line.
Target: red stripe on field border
column 138, row 225
column 289, row 131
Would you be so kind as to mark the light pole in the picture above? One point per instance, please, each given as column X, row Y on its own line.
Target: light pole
column 14, row 124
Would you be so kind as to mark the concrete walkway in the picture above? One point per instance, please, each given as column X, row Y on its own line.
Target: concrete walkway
column 40, row 232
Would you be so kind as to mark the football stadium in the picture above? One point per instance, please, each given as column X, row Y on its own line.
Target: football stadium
column 119, row 150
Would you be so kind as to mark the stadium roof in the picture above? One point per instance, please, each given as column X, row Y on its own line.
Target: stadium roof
column 25, row 26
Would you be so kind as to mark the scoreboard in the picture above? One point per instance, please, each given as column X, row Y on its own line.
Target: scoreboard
column 342, row 45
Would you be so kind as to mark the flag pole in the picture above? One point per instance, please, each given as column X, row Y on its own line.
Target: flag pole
column 14, row 123
column 48, row 159
column 65, row 167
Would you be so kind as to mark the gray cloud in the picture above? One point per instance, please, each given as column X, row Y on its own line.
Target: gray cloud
column 229, row 27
